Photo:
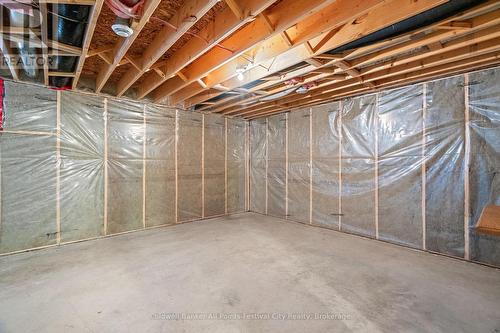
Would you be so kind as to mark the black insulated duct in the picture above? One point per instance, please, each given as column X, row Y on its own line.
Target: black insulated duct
column 66, row 24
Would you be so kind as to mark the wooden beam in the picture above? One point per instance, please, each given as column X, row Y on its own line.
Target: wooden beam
column 43, row 22
column 89, row 33
column 98, row 50
column 223, row 25
column 456, row 25
column 123, row 45
column 64, row 47
column 378, row 15
column 286, row 12
column 186, row 17
column 472, row 52
column 477, row 23
column 62, row 74
column 286, row 38
column 236, row 9
column 473, row 63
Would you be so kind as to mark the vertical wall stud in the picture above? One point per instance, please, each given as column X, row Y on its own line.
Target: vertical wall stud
column 286, row 164
column 202, row 166
column 176, row 151
column 340, row 163
column 424, row 167
column 225, row 165
column 58, row 167
column 247, row 166
column 267, row 161
column 376, row 164
column 105, row 226
column 467, row 170
column 144, row 168
column 310, row 167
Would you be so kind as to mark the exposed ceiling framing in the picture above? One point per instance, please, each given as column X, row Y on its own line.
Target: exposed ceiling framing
column 248, row 58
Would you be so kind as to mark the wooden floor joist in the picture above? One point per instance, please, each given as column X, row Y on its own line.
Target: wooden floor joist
column 248, row 58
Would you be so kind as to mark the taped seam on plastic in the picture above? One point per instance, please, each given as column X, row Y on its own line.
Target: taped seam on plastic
column 467, row 168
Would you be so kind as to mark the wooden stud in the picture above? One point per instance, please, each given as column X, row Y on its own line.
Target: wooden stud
column 225, row 166
column 202, row 166
column 176, row 162
column 105, row 115
column 287, row 169
column 424, row 167
column 377, row 108
column 58, row 167
column 267, row 163
column 467, row 153
column 310, row 167
column 144, row 156
column 339, row 130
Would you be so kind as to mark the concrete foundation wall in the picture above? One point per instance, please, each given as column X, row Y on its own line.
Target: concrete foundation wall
column 77, row 166
column 413, row 166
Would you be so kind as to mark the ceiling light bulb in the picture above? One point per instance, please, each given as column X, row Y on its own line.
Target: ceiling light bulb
column 240, row 76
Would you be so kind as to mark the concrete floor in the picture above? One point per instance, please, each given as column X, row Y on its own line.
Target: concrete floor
column 245, row 265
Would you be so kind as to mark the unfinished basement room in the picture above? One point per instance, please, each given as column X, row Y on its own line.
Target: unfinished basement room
column 250, row 166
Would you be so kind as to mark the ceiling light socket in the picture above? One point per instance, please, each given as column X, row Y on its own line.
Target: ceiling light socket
column 121, row 27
